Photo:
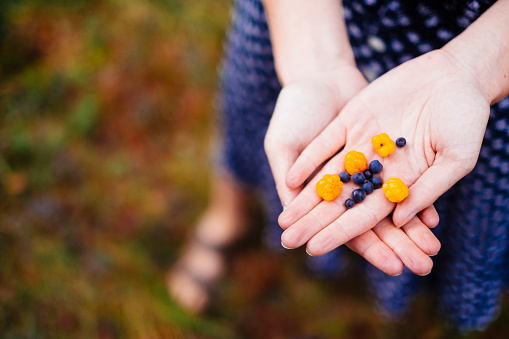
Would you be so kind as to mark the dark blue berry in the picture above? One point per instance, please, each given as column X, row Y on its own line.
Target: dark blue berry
column 358, row 178
column 358, row 195
column 400, row 142
column 344, row 176
column 377, row 182
column 368, row 175
column 349, row 203
column 368, row 187
column 375, row 167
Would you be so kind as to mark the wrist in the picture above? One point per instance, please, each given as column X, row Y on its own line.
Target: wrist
column 482, row 51
column 315, row 65
column 342, row 81
column 481, row 68
column 308, row 37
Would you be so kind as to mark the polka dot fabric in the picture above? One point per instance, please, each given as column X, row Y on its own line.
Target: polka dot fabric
column 249, row 90
column 471, row 270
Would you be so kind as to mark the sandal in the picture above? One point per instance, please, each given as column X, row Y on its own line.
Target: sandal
column 195, row 276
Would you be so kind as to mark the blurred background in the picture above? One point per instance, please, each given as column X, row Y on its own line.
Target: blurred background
column 106, row 116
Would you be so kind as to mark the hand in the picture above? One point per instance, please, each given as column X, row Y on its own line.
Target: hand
column 303, row 110
column 389, row 248
column 432, row 102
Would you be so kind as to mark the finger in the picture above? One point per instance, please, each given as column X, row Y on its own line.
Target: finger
column 434, row 182
column 281, row 158
column 323, row 147
column 422, row 236
column 312, row 223
column 409, row 253
column 353, row 222
column 307, row 199
column 429, row 216
column 299, row 206
column 369, row 246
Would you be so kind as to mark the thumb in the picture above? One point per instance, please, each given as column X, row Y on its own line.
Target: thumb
column 281, row 158
column 434, row 182
column 329, row 142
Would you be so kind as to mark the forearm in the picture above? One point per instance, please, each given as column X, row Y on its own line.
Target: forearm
column 308, row 37
column 483, row 50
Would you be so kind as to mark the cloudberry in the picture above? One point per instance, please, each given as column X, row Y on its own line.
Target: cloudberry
column 329, row 187
column 383, row 144
column 355, row 162
column 395, row 190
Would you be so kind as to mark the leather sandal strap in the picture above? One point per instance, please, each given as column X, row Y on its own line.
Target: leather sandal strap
column 209, row 285
column 223, row 250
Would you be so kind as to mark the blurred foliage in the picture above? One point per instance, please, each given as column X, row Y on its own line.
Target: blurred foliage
column 105, row 108
column 105, row 125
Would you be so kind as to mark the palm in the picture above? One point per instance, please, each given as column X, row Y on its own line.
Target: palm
column 439, row 111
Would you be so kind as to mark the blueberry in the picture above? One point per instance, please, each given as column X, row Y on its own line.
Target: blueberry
column 358, row 178
column 377, row 182
column 344, row 176
column 368, row 187
column 349, row 203
column 375, row 167
column 368, row 175
column 400, row 142
column 358, row 195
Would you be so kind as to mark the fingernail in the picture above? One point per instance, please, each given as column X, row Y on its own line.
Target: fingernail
column 423, row 275
column 288, row 248
column 309, row 253
column 394, row 275
column 283, row 202
column 432, row 255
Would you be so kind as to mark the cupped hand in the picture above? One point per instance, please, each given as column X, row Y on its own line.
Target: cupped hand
column 431, row 101
column 303, row 110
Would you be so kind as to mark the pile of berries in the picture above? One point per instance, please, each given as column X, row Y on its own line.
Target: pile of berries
column 364, row 178
column 357, row 170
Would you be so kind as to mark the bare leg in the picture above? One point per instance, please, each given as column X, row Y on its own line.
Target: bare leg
column 222, row 223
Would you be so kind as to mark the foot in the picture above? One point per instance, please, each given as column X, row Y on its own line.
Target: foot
column 196, row 273
column 204, row 261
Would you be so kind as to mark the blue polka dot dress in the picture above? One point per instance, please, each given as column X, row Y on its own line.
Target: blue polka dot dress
column 471, row 271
